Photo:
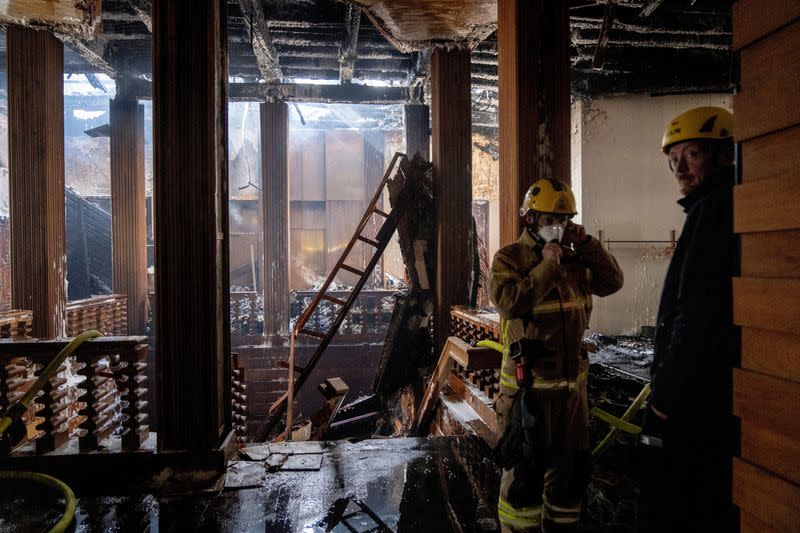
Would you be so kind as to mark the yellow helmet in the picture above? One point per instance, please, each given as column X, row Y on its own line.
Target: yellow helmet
column 713, row 123
column 549, row 196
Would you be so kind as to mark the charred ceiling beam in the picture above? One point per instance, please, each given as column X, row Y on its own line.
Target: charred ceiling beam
column 263, row 47
column 649, row 7
column 346, row 94
column 348, row 50
column 142, row 8
column 602, row 40
column 91, row 52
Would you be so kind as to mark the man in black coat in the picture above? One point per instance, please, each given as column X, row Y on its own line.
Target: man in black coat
column 689, row 434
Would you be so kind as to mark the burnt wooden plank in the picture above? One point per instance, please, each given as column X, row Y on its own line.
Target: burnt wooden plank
column 762, row 400
column 128, row 210
column 534, row 64
column 418, row 130
column 774, row 254
column 192, row 286
column 275, row 215
column 771, row 156
column 753, row 19
column 772, row 304
column 452, row 187
column 36, row 179
column 771, row 450
column 770, row 75
column 771, row 352
column 773, row 501
column 767, row 205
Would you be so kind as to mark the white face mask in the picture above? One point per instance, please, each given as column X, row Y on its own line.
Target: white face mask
column 550, row 233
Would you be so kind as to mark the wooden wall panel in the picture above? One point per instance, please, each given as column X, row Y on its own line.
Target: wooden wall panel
column 190, row 187
column 128, row 212
column 773, row 353
column 534, row 115
column 451, row 114
column 774, row 254
column 772, row 304
column 771, row 156
column 751, row 524
column 36, row 180
column 275, row 216
column 765, row 400
column 418, row 130
column 753, row 19
column 770, row 76
column 770, row 449
column 770, row 499
column 344, row 165
column 767, row 205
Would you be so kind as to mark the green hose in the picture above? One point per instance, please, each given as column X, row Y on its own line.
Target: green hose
column 21, row 406
column 69, row 496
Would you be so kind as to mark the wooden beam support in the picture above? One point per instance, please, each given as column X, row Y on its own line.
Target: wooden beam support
column 128, row 211
column 347, row 51
column 534, row 72
column 263, row 48
column 191, row 220
column 90, row 51
column 602, row 39
column 419, row 73
column 36, row 180
column 418, row 130
column 143, row 10
column 451, row 109
column 275, row 215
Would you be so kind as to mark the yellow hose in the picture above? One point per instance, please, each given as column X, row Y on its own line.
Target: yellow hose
column 490, row 344
column 69, row 496
column 49, row 371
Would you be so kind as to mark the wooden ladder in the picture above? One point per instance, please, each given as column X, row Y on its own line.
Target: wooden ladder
column 297, row 374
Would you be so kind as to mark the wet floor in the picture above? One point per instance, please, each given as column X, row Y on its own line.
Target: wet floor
column 375, row 485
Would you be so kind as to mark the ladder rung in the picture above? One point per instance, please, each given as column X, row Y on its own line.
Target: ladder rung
column 368, row 241
column 354, row 270
column 380, row 212
column 285, row 364
column 333, row 299
column 310, row 333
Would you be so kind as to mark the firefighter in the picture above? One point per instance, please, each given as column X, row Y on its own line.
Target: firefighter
column 689, row 434
column 541, row 286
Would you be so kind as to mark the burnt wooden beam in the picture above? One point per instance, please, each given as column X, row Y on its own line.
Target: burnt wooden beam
column 344, row 94
column 533, row 55
column 190, row 163
column 347, row 51
column 143, row 10
column 419, row 73
column 452, row 194
column 602, row 39
column 263, row 47
column 275, row 216
column 418, row 130
column 649, row 7
column 90, row 51
column 36, row 179
column 128, row 210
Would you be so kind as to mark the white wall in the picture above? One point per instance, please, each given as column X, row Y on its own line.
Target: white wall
column 628, row 192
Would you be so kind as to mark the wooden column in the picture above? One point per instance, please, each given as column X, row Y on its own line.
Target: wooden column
column 190, row 119
column 36, row 181
column 418, row 130
column 534, row 87
column 374, row 168
column 766, row 297
column 452, row 192
column 128, row 213
column 275, row 216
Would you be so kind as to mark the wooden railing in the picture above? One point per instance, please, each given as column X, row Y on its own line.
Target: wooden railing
column 238, row 399
column 108, row 314
column 98, row 400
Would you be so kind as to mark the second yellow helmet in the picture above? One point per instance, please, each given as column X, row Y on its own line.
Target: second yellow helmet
column 549, row 196
column 714, row 123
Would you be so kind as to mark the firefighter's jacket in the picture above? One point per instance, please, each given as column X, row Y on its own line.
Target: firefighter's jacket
column 551, row 302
